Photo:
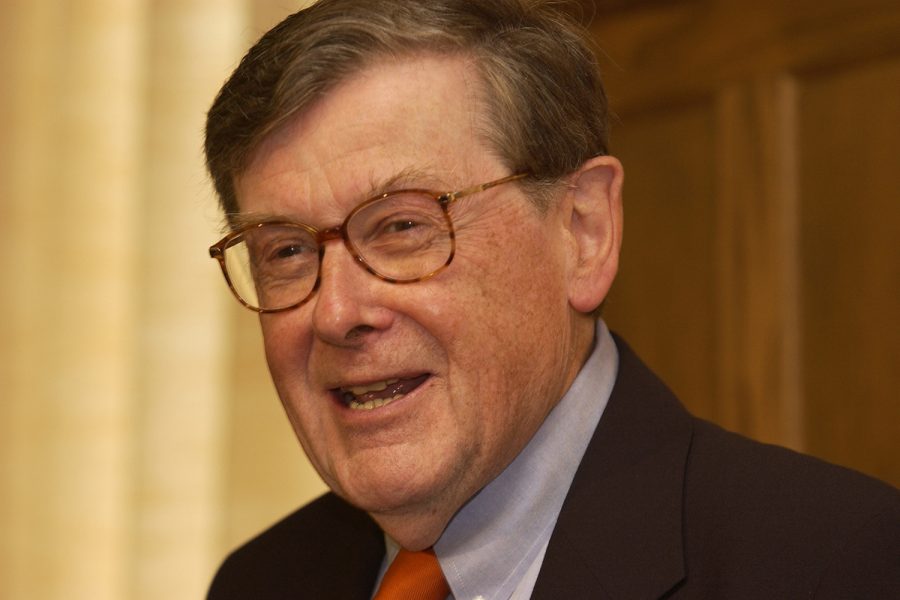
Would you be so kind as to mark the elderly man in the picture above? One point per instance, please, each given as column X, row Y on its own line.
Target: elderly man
column 422, row 209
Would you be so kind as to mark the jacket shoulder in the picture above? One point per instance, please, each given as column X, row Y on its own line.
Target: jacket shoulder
column 766, row 513
column 327, row 549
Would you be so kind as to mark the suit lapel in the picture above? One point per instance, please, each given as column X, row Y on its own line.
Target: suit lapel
column 340, row 548
column 619, row 534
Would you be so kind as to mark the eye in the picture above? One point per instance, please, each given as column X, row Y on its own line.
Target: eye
column 278, row 247
column 291, row 255
column 400, row 225
column 291, row 250
column 403, row 228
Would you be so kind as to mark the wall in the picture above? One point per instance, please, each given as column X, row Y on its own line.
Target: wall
column 124, row 364
column 761, row 272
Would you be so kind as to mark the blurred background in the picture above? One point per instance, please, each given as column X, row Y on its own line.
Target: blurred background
column 140, row 437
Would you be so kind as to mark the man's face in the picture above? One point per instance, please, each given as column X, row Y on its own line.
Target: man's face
column 486, row 346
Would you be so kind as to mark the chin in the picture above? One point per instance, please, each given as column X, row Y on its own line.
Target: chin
column 386, row 494
column 400, row 491
column 413, row 517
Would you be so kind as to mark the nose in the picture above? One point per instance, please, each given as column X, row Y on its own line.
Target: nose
column 349, row 304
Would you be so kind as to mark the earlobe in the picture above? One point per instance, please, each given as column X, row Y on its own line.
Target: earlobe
column 595, row 224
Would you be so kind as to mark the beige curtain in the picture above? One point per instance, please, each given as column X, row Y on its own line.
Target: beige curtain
column 139, row 435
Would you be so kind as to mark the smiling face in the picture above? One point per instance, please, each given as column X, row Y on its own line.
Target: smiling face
column 473, row 358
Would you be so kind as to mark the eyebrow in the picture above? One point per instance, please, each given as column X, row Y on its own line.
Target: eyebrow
column 235, row 221
column 400, row 180
column 403, row 178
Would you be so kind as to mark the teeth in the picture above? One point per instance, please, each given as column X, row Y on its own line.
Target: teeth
column 373, row 404
column 374, row 387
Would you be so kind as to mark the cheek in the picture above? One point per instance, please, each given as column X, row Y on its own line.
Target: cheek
column 284, row 342
column 286, row 349
column 275, row 341
column 509, row 316
column 517, row 280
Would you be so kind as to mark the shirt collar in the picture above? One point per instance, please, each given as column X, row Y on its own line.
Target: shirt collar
column 492, row 541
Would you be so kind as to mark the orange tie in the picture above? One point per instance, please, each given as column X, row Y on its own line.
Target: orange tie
column 413, row 576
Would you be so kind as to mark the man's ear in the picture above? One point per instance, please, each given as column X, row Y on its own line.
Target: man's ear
column 594, row 202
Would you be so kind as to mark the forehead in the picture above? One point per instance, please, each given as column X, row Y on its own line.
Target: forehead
column 414, row 121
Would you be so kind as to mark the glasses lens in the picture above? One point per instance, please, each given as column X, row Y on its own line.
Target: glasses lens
column 403, row 237
column 273, row 266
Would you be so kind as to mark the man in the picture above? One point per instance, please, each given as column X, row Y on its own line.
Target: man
column 422, row 210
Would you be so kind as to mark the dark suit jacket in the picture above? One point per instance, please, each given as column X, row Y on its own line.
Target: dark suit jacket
column 663, row 505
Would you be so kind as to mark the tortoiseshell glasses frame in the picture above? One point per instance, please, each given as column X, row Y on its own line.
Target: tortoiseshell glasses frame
column 402, row 236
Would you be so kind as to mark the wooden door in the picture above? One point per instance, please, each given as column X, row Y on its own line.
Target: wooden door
column 761, row 265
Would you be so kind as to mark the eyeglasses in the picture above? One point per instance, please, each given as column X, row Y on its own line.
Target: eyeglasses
column 402, row 236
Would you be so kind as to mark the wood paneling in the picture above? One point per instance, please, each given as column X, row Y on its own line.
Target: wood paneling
column 761, row 275
column 667, row 154
column 850, row 182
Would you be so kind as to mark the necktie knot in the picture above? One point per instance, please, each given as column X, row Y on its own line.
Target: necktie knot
column 414, row 576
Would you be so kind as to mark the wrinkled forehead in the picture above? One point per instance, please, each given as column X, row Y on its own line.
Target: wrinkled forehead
column 393, row 122
column 424, row 82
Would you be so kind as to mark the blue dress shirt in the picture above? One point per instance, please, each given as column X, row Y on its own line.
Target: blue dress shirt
column 493, row 548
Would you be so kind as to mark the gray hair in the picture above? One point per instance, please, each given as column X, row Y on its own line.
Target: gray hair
column 546, row 109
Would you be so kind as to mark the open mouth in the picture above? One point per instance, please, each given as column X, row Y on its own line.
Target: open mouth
column 378, row 394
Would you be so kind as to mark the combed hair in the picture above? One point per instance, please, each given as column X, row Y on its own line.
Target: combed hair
column 545, row 107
